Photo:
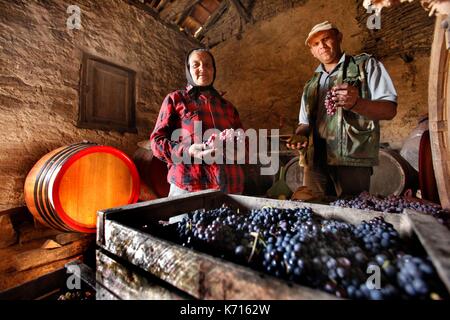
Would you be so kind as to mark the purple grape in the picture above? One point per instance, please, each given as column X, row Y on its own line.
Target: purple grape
column 330, row 104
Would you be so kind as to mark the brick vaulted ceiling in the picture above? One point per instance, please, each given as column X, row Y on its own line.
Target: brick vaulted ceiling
column 193, row 17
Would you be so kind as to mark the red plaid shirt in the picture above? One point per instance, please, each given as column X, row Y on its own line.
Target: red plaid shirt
column 180, row 110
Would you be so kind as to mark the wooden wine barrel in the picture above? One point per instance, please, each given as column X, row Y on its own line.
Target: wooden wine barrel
column 427, row 178
column 294, row 174
column 393, row 175
column 439, row 111
column 67, row 186
column 152, row 171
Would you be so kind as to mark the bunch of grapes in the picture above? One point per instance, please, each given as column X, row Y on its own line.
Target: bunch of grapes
column 377, row 235
column 77, row 295
column 415, row 276
column 327, row 254
column 216, row 140
column 394, row 204
column 330, row 104
column 214, row 231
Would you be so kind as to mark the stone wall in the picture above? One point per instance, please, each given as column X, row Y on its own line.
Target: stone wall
column 40, row 62
column 265, row 65
column 411, row 83
column 406, row 31
column 403, row 43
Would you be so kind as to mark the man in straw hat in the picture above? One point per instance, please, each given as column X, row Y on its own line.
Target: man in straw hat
column 339, row 132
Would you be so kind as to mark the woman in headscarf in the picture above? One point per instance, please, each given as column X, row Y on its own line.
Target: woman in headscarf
column 176, row 138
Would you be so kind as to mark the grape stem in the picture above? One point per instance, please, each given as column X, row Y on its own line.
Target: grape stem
column 256, row 236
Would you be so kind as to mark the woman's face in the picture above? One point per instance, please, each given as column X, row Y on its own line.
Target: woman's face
column 201, row 68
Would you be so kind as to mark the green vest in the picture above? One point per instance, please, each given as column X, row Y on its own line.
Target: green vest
column 351, row 139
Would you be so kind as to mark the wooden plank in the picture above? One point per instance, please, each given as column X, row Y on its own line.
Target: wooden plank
column 36, row 288
column 37, row 257
column 435, row 238
column 163, row 209
column 152, row 12
column 160, row 210
column 18, row 211
column 191, row 24
column 218, row 13
column 152, row 3
column 30, row 232
column 69, row 237
column 201, row 13
column 10, row 280
column 186, row 12
column 8, row 235
column 145, row 7
column 172, row 10
column 211, row 5
column 200, row 275
column 8, row 255
column 125, row 284
column 30, row 238
column 161, row 5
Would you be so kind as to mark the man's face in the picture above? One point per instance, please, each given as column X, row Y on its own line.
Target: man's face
column 325, row 46
column 201, row 68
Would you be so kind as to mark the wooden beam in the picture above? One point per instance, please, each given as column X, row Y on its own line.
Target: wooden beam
column 161, row 5
column 150, row 3
column 149, row 10
column 212, row 19
column 186, row 12
column 242, row 11
column 145, row 7
column 191, row 24
column 203, row 8
column 140, row 5
column 11, row 280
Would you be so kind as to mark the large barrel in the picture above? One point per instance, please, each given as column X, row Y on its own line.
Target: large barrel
column 153, row 174
column 427, row 179
column 67, row 186
column 152, row 171
column 439, row 110
column 392, row 175
column 294, row 174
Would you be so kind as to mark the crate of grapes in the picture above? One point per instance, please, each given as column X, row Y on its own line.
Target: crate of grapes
column 210, row 245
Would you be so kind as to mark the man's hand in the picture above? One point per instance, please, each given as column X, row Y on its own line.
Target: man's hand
column 199, row 150
column 346, row 95
column 297, row 142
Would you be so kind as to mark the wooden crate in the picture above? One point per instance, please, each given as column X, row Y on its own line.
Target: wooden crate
column 151, row 267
